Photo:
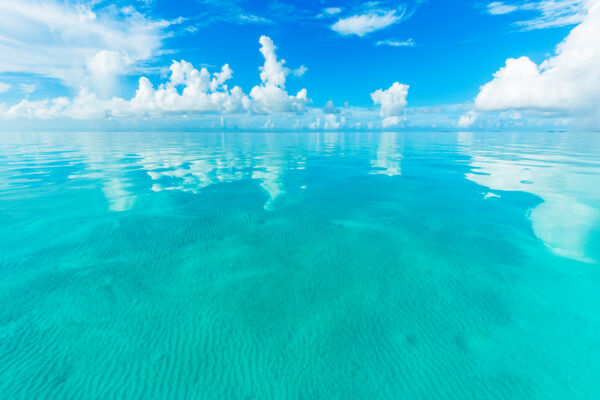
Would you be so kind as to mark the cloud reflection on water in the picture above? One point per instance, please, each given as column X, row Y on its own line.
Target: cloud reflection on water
column 568, row 184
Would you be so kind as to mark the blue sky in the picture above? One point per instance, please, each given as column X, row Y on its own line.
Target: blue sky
column 348, row 65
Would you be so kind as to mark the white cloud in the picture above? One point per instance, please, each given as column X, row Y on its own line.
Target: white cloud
column 499, row 8
column 396, row 43
column 27, row 88
column 363, row 24
column 273, row 70
column 556, row 13
column 569, row 81
column 270, row 96
column 389, row 122
column 108, row 62
column 253, row 19
column 300, row 71
column 104, row 67
column 552, row 13
column 188, row 90
column 4, row 87
column 330, row 108
column 62, row 40
column 467, row 119
column 329, row 11
column 316, row 124
column 200, row 92
column 334, row 121
column 391, row 100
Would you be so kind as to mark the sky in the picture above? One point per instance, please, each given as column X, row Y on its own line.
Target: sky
column 300, row 65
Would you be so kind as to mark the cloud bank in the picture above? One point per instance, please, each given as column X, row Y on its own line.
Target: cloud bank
column 187, row 90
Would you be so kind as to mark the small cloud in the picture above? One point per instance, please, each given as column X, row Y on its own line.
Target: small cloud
column 191, row 29
column 330, row 108
column 4, row 87
column 27, row 88
column 396, row 43
column 332, row 10
column 300, row 71
column 389, row 122
column 467, row 119
column 333, row 122
column 363, row 24
column 499, row 8
column 392, row 100
column 329, row 12
column 253, row 19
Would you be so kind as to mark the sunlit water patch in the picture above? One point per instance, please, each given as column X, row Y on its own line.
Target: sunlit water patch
column 300, row 266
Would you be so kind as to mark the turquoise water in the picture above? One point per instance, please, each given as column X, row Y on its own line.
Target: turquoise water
column 300, row 266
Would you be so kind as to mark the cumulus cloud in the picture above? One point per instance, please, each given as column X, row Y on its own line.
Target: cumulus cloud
column 83, row 106
column 200, row 92
column 330, row 108
column 70, row 41
column 391, row 100
column 389, row 122
column 467, row 119
column 104, row 67
column 270, row 96
column 551, row 13
column 371, row 21
column 187, row 90
column 569, row 81
column 334, row 121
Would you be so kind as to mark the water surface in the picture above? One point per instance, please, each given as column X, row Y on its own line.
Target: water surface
column 300, row 266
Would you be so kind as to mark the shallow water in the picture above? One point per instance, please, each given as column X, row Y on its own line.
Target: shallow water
column 300, row 266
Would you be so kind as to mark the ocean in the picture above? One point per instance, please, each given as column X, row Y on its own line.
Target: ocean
column 282, row 265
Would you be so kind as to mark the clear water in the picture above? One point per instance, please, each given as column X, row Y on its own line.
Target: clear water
column 300, row 266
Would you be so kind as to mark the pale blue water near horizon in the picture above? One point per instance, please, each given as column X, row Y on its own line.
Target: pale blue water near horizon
column 300, row 265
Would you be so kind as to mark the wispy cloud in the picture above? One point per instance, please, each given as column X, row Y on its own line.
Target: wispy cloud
column 499, row 8
column 330, row 11
column 27, row 88
column 396, row 43
column 371, row 21
column 353, row 17
column 551, row 13
column 4, row 87
column 58, row 39
column 253, row 19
